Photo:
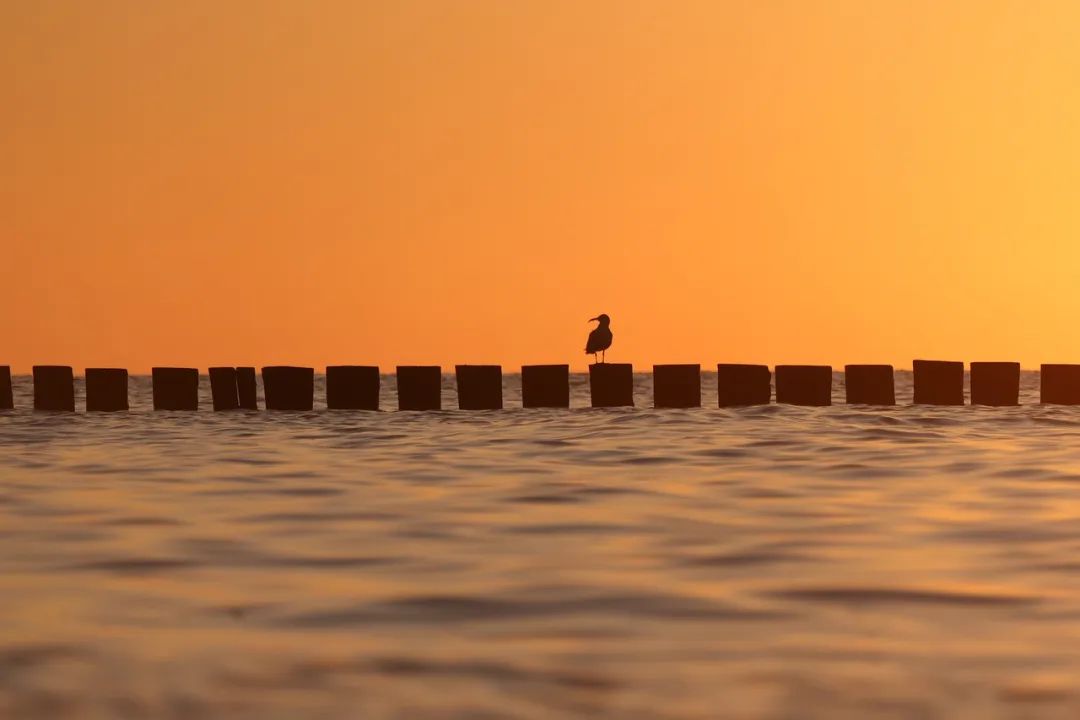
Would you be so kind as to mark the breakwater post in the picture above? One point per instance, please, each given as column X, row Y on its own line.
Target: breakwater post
column 611, row 385
column 419, row 387
column 54, row 388
column 938, row 382
column 175, row 388
column 869, row 385
column 479, row 387
column 1059, row 384
column 739, row 385
column 223, row 388
column 106, row 390
column 995, row 383
column 352, row 387
column 7, row 397
column 246, row 389
column 545, row 386
column 804, row 385
column 677, row 386
column 288, row 388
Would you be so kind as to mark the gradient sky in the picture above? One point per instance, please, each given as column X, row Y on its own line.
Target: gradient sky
column 201, row 182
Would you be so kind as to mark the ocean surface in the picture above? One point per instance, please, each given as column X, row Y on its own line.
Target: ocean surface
column 767, row 562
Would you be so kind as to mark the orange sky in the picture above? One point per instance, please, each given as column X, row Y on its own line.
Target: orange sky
column 318, row 181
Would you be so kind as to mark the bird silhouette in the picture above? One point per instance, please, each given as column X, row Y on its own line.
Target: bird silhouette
column 599, row 338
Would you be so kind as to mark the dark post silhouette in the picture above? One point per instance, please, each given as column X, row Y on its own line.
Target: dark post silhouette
column 54, row 388
column 106, row 390
column 352, row 387
column 288, row 388
column 419, row 387
column 995, row 383
column 1059, row 384
column 246, row 391
column 869, row 384
column 938, row 382
column 677, row 386
column 740, row 385
column 545, row 386
column 223, row 388
column 479, row 387
column 176, row 388
column 611, row 385
column 7, row 398
column 804, row 385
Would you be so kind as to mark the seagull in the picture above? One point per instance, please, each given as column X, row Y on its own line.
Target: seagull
column 600, row 337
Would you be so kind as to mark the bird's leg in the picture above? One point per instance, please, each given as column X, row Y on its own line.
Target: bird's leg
column 603, row 356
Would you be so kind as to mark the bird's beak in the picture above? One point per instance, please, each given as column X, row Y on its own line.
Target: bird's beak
column 595, row 319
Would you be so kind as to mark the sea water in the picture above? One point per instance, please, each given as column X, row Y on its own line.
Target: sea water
column 764, row 562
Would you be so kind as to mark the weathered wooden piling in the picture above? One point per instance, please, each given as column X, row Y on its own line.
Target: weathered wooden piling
column 740, row 385
column 223, row 388
column 54, row 388
column 869, row 385
column 545, row 386
column 479, row 387
column 288, row 388
column 677, row 386
column 1059, row 384
column 175, row 388
column 352, row 387
column 995, row 383
column 106, row 390
column 7, row 397
column 419, row 387
column 804, row 385
column 938, row 382
column 246, row 389
column 611, row 385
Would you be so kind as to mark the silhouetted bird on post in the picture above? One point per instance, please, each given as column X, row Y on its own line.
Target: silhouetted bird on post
column 599, row 338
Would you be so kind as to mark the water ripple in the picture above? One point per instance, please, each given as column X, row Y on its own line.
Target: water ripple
column 778, row 562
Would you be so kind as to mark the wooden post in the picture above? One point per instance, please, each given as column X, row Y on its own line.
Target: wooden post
column 611, row 385
column 740, row 385
column 223, row 388
column 804, row 384
column 869, row 385
column 1059, row 384
column 352, row 387
column 106, row 390
column 545, row 386
column 288, row 388
column 176, row 388
column 419, row 387
column 246, row 390
column 7, row 397
column 938, row 382
column 54, row 388
column 676, row 386
column 995, row 383
column 479, row 387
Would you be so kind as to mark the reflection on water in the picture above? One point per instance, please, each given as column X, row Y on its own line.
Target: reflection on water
column 773, row 562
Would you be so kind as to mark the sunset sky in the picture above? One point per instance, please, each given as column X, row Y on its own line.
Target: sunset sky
column 315, row 182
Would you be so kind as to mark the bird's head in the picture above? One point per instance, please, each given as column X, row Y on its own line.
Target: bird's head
column 601, row 318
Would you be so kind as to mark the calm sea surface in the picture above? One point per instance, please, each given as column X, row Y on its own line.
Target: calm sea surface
column 769, row 562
